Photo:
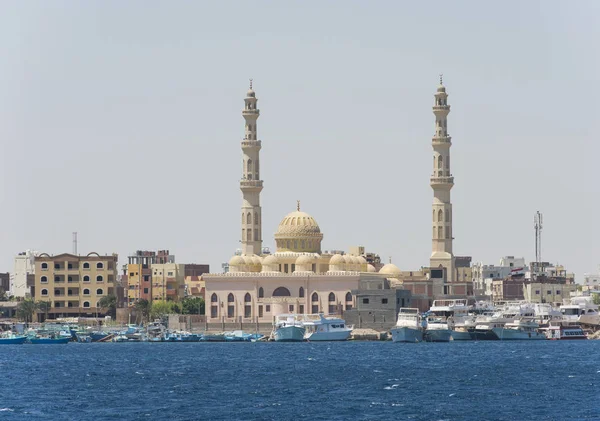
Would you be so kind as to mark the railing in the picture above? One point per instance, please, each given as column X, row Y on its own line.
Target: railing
column 251, row 183
column 442, row 180
column 251, row 143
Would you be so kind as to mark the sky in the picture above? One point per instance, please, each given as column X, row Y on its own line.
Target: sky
column 122, row 121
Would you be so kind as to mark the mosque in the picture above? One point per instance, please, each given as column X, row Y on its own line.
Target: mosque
column 299, row 276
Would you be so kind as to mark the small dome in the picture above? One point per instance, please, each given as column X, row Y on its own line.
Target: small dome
column 248, row 260
column 355, row 260
column 337, row 259
column 390, row 269
column 270, row 260
column 361, row 260
column 371, row 268
column 250, row 93
column 347, row 259
column 305, row 259
column 441, row 88
column 236, row 261
column 256, row 260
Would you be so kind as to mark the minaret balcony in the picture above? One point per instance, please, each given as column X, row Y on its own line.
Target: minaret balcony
column 443, row 140
column 441, row 108
column 250, row 113
column 246, row 143
column 441, row 181
column 251, row 184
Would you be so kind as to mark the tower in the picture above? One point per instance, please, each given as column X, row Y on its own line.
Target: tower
column 251, row 185
column 442, row 182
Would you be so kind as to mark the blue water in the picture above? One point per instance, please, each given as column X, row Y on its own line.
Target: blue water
column 538, row 380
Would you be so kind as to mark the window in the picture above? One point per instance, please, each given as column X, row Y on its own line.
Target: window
column 332, row 308
column 291, row 308
column 86, row 291
column 131, row 274
column 230, row 311
column 86, row 265
column 282, row 292
column 213, row 311
column 331, row 297
column 247, row 298
column 169, row 273
column 70, row 279
column 268, row 308
column 44, row 291
column 99, row 265
column 86, row 278
column 86, row 304
column 348, row 296
column 99, row 291
column 57, row 279
column 213, row 298
column 301, row 309
column 548, row 292
column 315, row 308
column 99, row 278
column 260, row 311
column 384, row 301
column 537, row 292
column 145, row 290
column 44, row 266
column 57, row 266
column 57, row 292
column 44, row 280
column 247, row 311
column 230, row 298
column 315, row 297
column 301, row 292
column 365, row 301
column 558, row 292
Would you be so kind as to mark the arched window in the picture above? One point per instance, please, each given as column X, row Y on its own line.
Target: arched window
column 230, row 298
column 44, row 280
column 249, row 165
column 249, row 218
column 44, row 291
column 301, row 292
column 86, row 265
column 315, row 297
column 247, row 298
column 287, row 244
column 256, row 222
column 86, row 304
column 57, row 279
column 440, row 162
column 57, row 291
column 302, row 244
column 281, row 292
column 440, row 216
column 213, row 298
column 331, row 297
column 44, row 265
column 99, row 265
column 86, row 278
column 99, row 278
column 99, row 291
column 261, row 292
column 348, row 297
column 447, row 215
column 86, row 291
column 69, row 279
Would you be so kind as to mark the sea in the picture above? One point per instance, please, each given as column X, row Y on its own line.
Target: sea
column 537, row 380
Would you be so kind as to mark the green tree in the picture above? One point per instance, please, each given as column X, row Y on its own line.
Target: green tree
column 108, row 304
column 26, row 310
column 160, row 309
column 596, row 298
column 143, row 308
column 193, row 305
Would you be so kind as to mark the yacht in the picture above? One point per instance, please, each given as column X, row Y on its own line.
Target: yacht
column 546, row 313
column 507, row 313
column 438, row 329
column 580, row 310
column 456, row 313
column 561, row 331
column 288, row 328
column 521, row 329
column 320, row 328
column 408, row 326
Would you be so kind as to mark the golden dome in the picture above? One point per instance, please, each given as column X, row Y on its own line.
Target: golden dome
column 391, row 269
column 236, row 261
column 298, row 232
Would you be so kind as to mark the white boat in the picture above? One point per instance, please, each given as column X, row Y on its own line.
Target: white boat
column 546, row 313
column 507, row 313
column 288, row 328
column 320, row 328
column 561, row 331
column 522, row 329
column 456, row 314
column 438, row 329
column 580, row 310
column 408, row 326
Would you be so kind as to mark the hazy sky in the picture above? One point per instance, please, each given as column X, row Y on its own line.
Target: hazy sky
column 122, row 121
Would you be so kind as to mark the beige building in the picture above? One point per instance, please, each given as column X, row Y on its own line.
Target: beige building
column 73, row 285
column 168, row 281
column 547, row 292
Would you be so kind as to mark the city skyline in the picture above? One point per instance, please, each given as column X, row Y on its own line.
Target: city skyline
column 129, row 134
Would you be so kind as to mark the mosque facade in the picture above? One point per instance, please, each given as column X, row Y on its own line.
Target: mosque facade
column 299, row 277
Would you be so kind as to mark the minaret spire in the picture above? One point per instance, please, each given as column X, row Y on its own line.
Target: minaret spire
column 251, row 184
column 442, row 182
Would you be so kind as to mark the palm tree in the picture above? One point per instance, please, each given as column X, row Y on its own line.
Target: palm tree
column 108, row 303
column 143, row 306
column 43, row 306
column 26, row 310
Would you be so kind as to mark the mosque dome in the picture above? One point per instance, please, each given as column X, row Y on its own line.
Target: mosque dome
column 236, row 261
column 305, row 260
column 250, row 93
column 337, row 259
column 362, row 260
column 298, row 232
column 371, row 268
column 270, row 264
column 391, row 269
column 256, row 260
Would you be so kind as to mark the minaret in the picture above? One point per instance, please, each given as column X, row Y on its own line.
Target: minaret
column 251, row 184
column 442, row 182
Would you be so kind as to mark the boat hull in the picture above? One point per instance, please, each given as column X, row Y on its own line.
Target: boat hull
column 484, row 335
column 406, row 334
column 289, row 334
column 459, row 335
column 438, row 335
column 38, row 341
column 329, row 336
column 17, row 340
column 517, row 335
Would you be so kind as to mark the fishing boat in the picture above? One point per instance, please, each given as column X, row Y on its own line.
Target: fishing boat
column 9, row 338
column 408, row 326
column 48, row 340
column 288, row 328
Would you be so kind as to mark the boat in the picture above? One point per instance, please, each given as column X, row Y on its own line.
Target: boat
column 456, row 313
column 408, row 326
column 49, row 340
column 288, row 328
column 485, row 325
column 564, row 331
column 9, row 338
column 320, row 328
column 581, row 310
column 522, row 329
column 438, row 329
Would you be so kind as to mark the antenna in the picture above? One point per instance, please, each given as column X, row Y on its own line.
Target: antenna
column 75, row 243
column 537, row 226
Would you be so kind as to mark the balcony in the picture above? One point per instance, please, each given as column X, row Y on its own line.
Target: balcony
column 442, row 181
column 444, row 140
column 441, row 108
column 171, row 292
column 246, row 143
column 251, row 112
column 251, row 183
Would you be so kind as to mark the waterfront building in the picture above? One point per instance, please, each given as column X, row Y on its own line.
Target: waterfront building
column 483, row 275
column 22, row 278
column 547, row 290
column 168, row 281
column 194, row 284
column 139, row 273
column 591, row 281
column 73, row 285
column 4, row 283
